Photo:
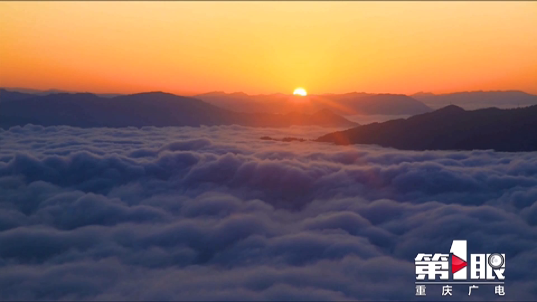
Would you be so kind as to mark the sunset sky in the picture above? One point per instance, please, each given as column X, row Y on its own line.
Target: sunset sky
column 269, row 47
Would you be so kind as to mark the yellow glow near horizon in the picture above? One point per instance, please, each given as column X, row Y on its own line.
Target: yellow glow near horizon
column 300, row 91
column 261, row 47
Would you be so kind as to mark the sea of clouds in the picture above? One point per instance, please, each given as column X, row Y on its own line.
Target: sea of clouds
column 216, row 213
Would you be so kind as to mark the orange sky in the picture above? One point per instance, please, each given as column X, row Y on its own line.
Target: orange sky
column 267, row 47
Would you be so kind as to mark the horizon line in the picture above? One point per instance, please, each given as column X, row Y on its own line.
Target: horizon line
column 57, row 91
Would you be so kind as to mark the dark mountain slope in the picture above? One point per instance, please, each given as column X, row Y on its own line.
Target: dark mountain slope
column 144, row 109
column 8, row 96
column 450, row 128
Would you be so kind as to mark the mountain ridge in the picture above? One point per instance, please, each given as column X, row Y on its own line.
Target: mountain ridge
column 478, row 99
column 143, row 109
column 353, row 103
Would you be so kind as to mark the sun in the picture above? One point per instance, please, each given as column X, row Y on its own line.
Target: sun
column 300, row 91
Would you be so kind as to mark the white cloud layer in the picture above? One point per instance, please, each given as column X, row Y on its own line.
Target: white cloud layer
column 217, row 213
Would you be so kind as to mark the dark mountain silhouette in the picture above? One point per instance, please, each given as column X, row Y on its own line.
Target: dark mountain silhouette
column 450, row 128
column 285, row 139
column 478, row 99
column 144, row 109
column 344, row 104
column 8, row 95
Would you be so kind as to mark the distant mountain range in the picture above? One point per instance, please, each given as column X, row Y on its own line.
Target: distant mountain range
column 450, row 128
column 51, row 91
column 343, row 104
column 144, row 109
column 478, row 99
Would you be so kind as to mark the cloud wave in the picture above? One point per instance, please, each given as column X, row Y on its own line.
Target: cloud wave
column 216, row 213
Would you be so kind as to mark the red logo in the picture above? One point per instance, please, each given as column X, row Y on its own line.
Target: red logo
column 457, row 264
